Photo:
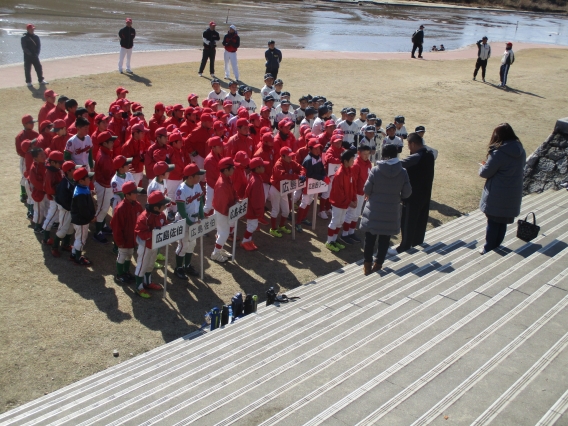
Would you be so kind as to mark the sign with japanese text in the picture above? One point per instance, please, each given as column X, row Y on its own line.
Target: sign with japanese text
column 332, row 168
column 168, row 234
column 238, row 210
column 202, row 227
column 287, row 186
column 316, row 186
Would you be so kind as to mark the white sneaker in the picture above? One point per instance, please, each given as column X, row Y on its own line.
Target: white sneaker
column 200, row 74
column 227, row 77
column 43, row 82
column 392, row 252
column 213, row 76
column 218, row 257
column 120, row 71
column 323, row 215
column 30, row 85
column 129, row 70
column 226, row 253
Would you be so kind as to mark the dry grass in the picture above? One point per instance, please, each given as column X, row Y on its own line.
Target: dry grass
column 61, row 322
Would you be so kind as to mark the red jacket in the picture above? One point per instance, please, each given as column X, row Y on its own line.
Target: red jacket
column 197, row 141
column 36, row 178
column 92, row 125
column 265, row 122
column 56, row 114
column 360, row 172
column 343, row 189
column 123, row 223
column 134, row 149
column 28, row 162
column 332, row 156
column 155, row 153
column 58, row 143
column 44, row 140
column 255, row 194
column 301, row 153
column 187, row 127
column 117, row 126
column 267, row 154
column 280, row 143
column 240, row 181
column 323, row 139
column 52, row 178
column 69, row 118
column 238, row 143
column 175, row 121
column 285, row 171
column 156, row 123
column 225, row 195
column 71, row 130
column 211, row 166
column 254, row 134
column 104, row 170
column 146, row 222
column 177, row 158
column 22, row 136
column 44, row 110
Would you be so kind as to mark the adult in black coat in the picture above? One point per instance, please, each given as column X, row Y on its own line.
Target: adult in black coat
column 416, row 208
column 417, row 42
column 210, row 39
column 126, row 35
column 273, row 58
column 31, row 46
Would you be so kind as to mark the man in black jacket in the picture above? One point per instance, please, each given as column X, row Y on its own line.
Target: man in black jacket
column 126, row 35
column 417, row 41
column 420, row 168
column 273, row 58
column 210, row 39
column 31, row 47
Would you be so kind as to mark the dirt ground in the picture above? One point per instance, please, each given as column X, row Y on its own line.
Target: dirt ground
column 61, row 322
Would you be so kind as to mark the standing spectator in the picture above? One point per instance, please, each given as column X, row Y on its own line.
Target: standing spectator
column 210, row 39
column 273, row 58
column 483, row 54
column 503, row 190
column 231, row 41
column 417, row 41
column 506, row 61
column 31, row 47
column 126, row 35
column 420, row 168
column 386, row 186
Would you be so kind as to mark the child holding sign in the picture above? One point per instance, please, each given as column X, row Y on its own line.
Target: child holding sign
column 342, row 196
column 189, row 200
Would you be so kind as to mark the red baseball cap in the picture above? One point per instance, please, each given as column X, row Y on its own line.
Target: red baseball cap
column 241, row 159
column 140, row 127
column 136, row 106
column 258, row 162
column 192, row 170
column 264, row 109
column 243, row 113
column 101, row 117
column 105, row 137
column 28, row 119
column 129, row 20
column 130, row 187
column 171, row 128
column 207, row 111
column 330, row 123
column 162, row 167
column 56, row 156
column 178, row 107
column 242, row 122
column 285, row 150
column 44, row 124
column 120, row 161
column 68, row 165
column 157, row 197
column 284, row 123
column 212, row 23
column 218, row 125
column 227, row 102
column 27, row 144
column 159, row 106
column 121, row 89
column 161, row 131
column 267, row 137
column 58, row 124
column 313, row 143
column 30, row 26
column 265, row 129
column 206, row 117
column 192, row 96
column 50, row 94
column 115, row 109
column 254, row 116
column 214, row 141
column 174, row 136
column 189, row 111
column 225, row 163
column 219, row 114
column 89, row 102
column 304, row 128
column 81, row 173
column 134, row 120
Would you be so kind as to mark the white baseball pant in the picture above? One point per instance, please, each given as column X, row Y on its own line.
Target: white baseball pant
column 65, row 227
column 266, row 187
column 124, row 52
column 279, row 203
column 184, row 246
column 325, row 195
column 297, row 195
column 353, row 214
column 252, row 225
column 22, row 169
column 104, row 196
column 231, row 58
column 81, row 234
column 124, row 255
column 146, row 259
column 337, row 218
column 137, row 177
column 28, row 191
column 209, row 194
column 306, row 200
column 40, row 209
column 51, row 216
column 171, row 188
column 223, row 229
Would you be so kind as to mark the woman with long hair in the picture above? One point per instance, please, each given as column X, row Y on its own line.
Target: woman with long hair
column 503, row 191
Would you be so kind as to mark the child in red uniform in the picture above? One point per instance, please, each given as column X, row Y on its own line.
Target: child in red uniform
column 255, row 207
column 157, row 120
column 226, row 198
column 212, row 172
column 342, row 196
column 122, row 224
column 53, row 175
column 27, row 134
column 177, row 158
column 60, row 138
column 241, row 141
column 45, row 134
column 152, row 217
column 26, row 148
column 36, row 177
column 266, row 152
column 104, row 172
column 331, row 158
column 239, row 177
column 157, row 152
column 135, row 148
column 101, row 122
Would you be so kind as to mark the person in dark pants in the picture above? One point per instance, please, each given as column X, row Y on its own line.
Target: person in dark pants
column 126, row 36
column 503, row 190
column 420, row 167
column 386, row 185
column 417, row 42
column 273, row 58
column 31, row 47
column 210, row 39
column 483, row 54
column 506, row 61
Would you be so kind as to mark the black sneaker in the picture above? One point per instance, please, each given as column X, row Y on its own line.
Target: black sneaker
column 129, row 276
column 100, row 238
column 180, row 273
column 346, row 239
column 29, row 215
column 106, row 230
column 23, row 199
column 355, row 238
column 121, row 279
column 306, row 222
column 38, row 229
column 190, row 270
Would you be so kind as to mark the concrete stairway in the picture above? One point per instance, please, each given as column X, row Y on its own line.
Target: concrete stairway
column 441, row 334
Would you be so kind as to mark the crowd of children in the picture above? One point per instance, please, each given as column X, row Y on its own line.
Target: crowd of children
column 193, row 161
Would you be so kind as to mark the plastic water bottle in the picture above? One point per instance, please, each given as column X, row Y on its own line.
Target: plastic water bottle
column 230, row 314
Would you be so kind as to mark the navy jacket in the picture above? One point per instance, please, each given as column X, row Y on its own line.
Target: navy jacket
column 64, row 193
column 273, row 58
column 31, row 44
column 314, row 171
column 127, row 35
column 82, row 206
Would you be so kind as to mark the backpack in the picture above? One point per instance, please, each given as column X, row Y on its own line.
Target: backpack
column 250, row 304
column 237, row 304
column 413, row 38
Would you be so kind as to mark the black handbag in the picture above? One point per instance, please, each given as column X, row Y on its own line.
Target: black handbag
column 527, row 231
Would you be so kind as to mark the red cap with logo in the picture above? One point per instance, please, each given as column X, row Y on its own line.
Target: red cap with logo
column 285, row 123
column 158, row 197
column 106, row 136
column 159, row 106
column 218, row 125
column 161, row 131
column 58, row 124
column 44, row 124
column 81, row 173
column 313, row 143
column 140, row 127
column 330, row 123
column 50, row 94
column 175, row 136
column 162, row 167
column 101, row 117
column 192, row 96
column 268, row 139
column 285, row 150
column 136, row 106
column 242, row 122
column 206, row 117
column 89, row 102
column 178, row 107
column 227, row 103
column 241, row 159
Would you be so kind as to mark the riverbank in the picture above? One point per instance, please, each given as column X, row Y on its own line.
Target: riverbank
column 62, row 322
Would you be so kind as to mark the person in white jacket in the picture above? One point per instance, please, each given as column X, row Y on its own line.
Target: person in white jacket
column 483, row 54
column 506, row 61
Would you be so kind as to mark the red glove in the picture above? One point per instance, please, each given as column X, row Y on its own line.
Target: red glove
column 326, row 180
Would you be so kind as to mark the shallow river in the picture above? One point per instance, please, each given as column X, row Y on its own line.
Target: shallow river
column 71, row 27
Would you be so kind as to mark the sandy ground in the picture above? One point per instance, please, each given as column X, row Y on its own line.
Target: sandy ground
column 61, row 322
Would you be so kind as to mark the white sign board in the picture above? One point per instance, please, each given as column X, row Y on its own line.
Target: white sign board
column 332, row 168
column 287, row 186
column 168, row 234
column 238, row 210
column 202, row 227
column 316, row 186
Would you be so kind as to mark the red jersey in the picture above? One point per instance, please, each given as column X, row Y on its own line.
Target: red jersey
column 332, row 156
column 197, row 141
column 254, row 134
column 123, row 223
column 175, row 121
column 92, row 125
column 187, row 127
column 155, row 123
column 177, row 157
column 343, row 189
column 44, row 111
column 117, row 126
column 240, row 181
column 225, row 195
column 69, row 119
column 285, row 171
column 267, row 154
column 211, row 166
column 36, row 178
column 281, row 140
column 135, row 149
column 56, row 114
column 146, row 222
column 360, row 172
column 238, row 143
column 255, row 194
column 58, row 143
column 52, row 178
column 104, row 170
column 22, row 136
column 44, row 140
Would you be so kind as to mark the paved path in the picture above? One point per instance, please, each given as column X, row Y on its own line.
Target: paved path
column 57, row 68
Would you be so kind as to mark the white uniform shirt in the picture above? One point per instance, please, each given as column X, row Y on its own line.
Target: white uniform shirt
column 154, row 185
column 394, row 141
column 360, row 123
column 277, row 96
column 191, row 197
column 310, row 123
column 349, row 131
column 250, row 105
column 401, row 133
column 219, row 97
column 272, row 116
column 319, row 126
column 265, row 91
column 237, row 101
column 506, row 55
column 79, row 149
column 117, row 182
column 299, row 114
column 282, row 115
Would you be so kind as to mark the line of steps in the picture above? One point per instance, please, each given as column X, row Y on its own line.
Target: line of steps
column 441, row 333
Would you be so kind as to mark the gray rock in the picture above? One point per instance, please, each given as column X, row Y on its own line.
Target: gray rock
column 562, row 166
column 531, row 162
column 535, row 187
column 563, row 144
column 561, row 126
column 555, row 155
column 545, row 165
